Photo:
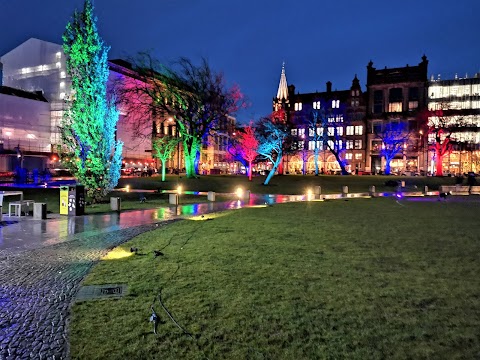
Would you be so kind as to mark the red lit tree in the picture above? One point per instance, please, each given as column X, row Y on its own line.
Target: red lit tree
column 442, row 123
column 248, row 144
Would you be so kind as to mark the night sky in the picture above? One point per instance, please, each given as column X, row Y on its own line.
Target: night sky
column 248, row 40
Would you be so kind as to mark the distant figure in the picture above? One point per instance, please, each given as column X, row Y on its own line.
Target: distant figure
column 470, row 181
column 443, row 195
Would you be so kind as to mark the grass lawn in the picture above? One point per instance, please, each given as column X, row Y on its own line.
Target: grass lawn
column 358, row 279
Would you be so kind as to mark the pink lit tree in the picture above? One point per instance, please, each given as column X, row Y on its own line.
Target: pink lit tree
column 248, row 145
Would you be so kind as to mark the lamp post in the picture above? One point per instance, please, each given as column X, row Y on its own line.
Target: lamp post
column 404, row 157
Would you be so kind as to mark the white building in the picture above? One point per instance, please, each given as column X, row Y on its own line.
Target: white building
column 38, row 65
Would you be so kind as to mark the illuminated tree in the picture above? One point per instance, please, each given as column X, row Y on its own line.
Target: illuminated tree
column 164, row 148
column 271, row 134
column 248, row 144
column 443, row 124
column 88, row 129
column 395, row 136
column 194, row 96
column 315, row 132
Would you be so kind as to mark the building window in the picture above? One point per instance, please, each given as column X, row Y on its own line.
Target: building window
column 350, row 130
column 348, row 156
column 339, row 118
column 358, row 144
column 331, row 131
column 316, row 105
column 301, row 132
column 298, row 106
column 358, row 156
column 377, row 127
column 395, row 107
column 412, row 105
column 339, row 130
column 294, row 132
column 357, row 92
column 349, row 144
column 377, row 101
column 335, row 104
column 376, row 145
column 359, row 130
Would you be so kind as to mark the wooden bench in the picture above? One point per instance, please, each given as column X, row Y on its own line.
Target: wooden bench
column 20, row 206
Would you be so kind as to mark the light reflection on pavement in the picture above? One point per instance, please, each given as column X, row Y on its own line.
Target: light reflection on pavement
column 19, row 234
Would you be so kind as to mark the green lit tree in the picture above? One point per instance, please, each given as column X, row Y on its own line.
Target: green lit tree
column 89, row 126
column 164, row 148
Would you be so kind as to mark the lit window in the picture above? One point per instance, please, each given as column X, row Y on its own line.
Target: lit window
column 311, row 132
column 340, row 130
column 335, row 104
column 339, row 118
column 412, row 105
column 359, row 130
column 395, row 107
column 316, row 105
column 63, row 75
column 311, row 145
column 301, row 144
column 349, row 144
column 294, row 131
column 348, row 156
column 358, row 144
column 331, row 131
column 357, row 102
column 358, row 156
column 350, row 130
column 331, row 119
column 301, row 132
column 62, row 84
column 58, row 55
column 357, row 92
column 62, row 96
column 320, row 131
column 298, row 106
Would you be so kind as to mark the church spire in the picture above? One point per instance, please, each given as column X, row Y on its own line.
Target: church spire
column 282, row 92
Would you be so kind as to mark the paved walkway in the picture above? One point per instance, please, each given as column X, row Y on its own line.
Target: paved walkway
column 42, row 263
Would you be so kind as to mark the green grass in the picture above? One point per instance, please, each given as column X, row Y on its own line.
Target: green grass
column 361, row 279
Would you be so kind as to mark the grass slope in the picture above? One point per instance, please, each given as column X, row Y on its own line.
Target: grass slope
column 363, row 279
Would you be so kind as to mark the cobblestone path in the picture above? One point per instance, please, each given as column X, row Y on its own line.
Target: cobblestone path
column 37, row 287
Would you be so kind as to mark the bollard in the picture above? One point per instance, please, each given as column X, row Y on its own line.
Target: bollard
column 344, row 191
column 115, row 203
column 211, row 196
column 247, row 195
column 371, row 190
column 425, row 190
column 173, row 199
column 317, row 190
column 39, row 211
column 402, row 184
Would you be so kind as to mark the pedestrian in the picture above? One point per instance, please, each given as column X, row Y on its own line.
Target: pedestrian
column 471, row 181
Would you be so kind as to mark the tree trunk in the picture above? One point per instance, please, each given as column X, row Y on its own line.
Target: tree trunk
column 250, row 171
column 342, row 165
column 316, row 154
column 190, row 151
column 272, row 172
column 439, row 164
column 387, row 166
column 163, row 170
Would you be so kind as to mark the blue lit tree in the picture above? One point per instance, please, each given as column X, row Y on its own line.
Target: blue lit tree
column 89, row 126
column 271, row 133
column 395, row 136
column 315, row 133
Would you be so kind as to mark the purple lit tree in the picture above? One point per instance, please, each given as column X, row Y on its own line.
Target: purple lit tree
column 394, row 136
column 245, row 148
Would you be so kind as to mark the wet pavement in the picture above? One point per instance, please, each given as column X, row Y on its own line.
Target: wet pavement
column 42, row 263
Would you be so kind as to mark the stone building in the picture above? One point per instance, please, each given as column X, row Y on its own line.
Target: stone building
column 345, row 114
column 396, row 96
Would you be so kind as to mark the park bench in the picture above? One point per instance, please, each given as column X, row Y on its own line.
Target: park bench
column 19, row 207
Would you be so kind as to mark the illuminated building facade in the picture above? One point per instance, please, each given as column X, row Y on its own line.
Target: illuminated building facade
column 345, row 112
column 455, row 106
column 396, row 96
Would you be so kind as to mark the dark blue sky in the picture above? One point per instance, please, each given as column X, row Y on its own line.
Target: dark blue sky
column 248, row 40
